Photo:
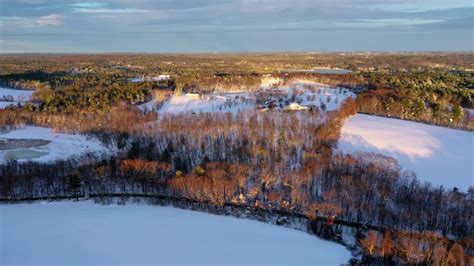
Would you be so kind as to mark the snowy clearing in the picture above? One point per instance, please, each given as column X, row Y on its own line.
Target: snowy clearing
column 210, row 103
column 302, row 93
column 439, row 155
column 331, row 71
column 4, row 104
column 14, row 97
column 149, row 106
column 318, row 71
column 316, row 94
column 61, row 145
column 85, row 233
column 157, row 78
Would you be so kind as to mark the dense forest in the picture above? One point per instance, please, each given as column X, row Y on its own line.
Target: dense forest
column 270, row 161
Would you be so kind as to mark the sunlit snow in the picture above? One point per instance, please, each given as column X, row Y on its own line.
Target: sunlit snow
column 207, row 103
column 14, row 97
column 304, row 93
column 439, row 155
column 61, row 146
column 83, row 233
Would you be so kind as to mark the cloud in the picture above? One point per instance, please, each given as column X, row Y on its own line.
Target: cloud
column 103, row 7
column 88, row 5
column 110, row 10
column 27, row 22
column 219, row 20
column 384, row 23
column 49, row 20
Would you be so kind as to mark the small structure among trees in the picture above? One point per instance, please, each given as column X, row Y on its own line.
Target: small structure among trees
column 296, row 107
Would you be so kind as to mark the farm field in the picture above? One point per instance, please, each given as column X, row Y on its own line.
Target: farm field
column 85, row 233
column 439, row 155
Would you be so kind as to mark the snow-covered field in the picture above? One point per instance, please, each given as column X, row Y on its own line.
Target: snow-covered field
column 304, row 93
column 61, row 146
column 143, row 79
column 81, row 233
column 207, row 104
column 14, row 97
column 148, row 106
column 331, row 71
column 318, row 71
column 316, row 94
column 4, row 104
column 438, row 155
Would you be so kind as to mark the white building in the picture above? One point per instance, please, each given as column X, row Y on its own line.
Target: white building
column 296, row 107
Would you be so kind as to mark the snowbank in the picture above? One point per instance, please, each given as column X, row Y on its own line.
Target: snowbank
column 83, row 233
column 439, row 155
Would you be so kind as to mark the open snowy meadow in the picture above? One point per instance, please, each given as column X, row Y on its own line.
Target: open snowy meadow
column 302, row 93
column 14, row 97
column 211, row 103
column 439, row 155
column 84, row 233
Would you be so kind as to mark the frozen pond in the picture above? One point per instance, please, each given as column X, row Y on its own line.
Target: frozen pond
column 43, row 144
column 83, row 233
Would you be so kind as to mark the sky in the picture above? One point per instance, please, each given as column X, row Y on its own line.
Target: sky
column 171, row 26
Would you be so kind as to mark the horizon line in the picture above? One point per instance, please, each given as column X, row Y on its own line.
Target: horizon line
column 243, row 52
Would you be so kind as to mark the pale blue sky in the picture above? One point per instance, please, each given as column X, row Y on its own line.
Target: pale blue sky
column 235, row 25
